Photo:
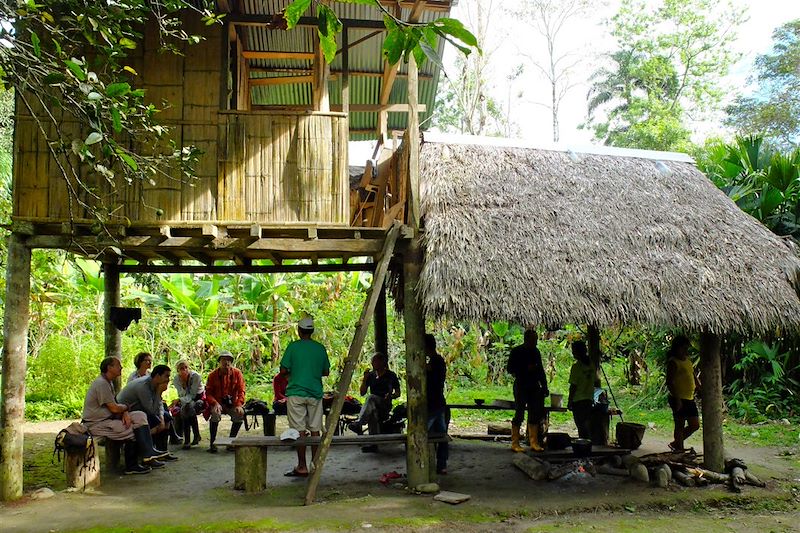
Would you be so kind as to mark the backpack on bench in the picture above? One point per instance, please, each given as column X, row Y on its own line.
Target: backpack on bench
column 75, row 438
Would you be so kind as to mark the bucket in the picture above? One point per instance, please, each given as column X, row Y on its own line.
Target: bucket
column 629, row 435
column 555, row 400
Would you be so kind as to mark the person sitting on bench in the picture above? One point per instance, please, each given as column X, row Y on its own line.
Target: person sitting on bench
column 383, row 386
column 279, row 384
column 224, row 396
column 190, row 400
column 144, row 394
column 104, row 417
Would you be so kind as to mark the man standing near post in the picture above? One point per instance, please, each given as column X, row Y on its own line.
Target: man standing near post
column 305, row 362
column 224, row 396
column 530, row 389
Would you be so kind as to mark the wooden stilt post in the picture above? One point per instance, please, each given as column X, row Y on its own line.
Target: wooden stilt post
column 15, row 353
column 351, row 361
column 711, row 382
column 417, row 453
column 381, row 325
column 593, row 347
column 113, row 336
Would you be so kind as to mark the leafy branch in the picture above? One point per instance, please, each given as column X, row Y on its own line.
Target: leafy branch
column 403, row 39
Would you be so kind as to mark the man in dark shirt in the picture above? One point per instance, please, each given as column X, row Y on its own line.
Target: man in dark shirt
column 530, row 389
column 438, row 415
column 383, row 387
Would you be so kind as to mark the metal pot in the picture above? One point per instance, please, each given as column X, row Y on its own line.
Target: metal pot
column 581, row 447
column 558, row 441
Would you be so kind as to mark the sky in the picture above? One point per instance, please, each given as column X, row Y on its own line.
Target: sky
column 509, row 40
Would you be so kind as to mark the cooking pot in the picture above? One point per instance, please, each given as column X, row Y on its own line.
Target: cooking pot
column 581, row 447
column 558, row 441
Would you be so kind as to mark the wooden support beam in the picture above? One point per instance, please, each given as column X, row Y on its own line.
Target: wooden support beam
column 269, row 20
column 15, row 355
column 282, row 80
column 413, row 145
column 111, row 298
column 713, row 402
column 417, row 451
column 203, row 258
column 381, row 324
column 213, row 231
column 300, row 71
column 319, row 85
column 246, row 268
column 354, row 108
column 259, row 54
column 165, row 232
column 352, row 360
column 345, row 70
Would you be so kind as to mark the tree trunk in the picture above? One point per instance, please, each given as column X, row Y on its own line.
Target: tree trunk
column 711, row 381
column 15, row 351
column 417, row 459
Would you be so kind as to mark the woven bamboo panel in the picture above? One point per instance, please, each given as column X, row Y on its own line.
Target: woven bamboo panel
column 284, row 168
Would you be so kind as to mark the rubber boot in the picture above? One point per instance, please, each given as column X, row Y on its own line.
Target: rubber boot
column 515, row 439
column 132, row 465
column 174, row 438
column 187, row 435
column 533, row 438
column 212, row 428
column 160, row 441
column 144, row 442
column 235, row 429
column 196, row 429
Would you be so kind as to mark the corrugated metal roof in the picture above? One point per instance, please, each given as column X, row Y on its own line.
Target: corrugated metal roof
column 366, row 57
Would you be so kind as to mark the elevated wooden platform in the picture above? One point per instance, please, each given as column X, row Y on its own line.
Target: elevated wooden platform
column 207, row 243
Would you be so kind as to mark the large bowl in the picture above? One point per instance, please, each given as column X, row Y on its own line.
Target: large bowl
column 581, row 447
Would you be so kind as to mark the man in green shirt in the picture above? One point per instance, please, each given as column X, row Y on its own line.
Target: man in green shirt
column 582, row 378
column 305, row 362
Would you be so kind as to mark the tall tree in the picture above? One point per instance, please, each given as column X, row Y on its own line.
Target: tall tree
column 550, row 20
column 464, row 104
column 773, row 109
column 665, row 72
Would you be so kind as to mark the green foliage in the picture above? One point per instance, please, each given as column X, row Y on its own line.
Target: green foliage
column 667, row 68
column 765, row 388
column 763, row 182
column 402, row 39
column 69, row 61
column 773, row 110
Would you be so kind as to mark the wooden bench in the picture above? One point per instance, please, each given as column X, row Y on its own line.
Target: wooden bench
column 250, row 470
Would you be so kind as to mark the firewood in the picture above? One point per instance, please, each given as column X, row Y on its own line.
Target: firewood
column 534, row 468
column 712, row 477
column 662, row 476
column 738, row 476
column 639, row 471
column 613, row 471
column 683, row 478
column 753, row 480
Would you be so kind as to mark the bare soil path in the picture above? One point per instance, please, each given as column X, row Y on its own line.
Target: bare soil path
column 195, row 494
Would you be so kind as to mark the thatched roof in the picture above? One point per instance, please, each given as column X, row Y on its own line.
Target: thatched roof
column 551, row 237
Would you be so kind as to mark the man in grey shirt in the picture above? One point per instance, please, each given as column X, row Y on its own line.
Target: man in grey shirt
column 144, row 394
column 104, row 417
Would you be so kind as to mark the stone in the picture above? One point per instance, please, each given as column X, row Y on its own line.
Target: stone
column 453, row 498
column 428, row 488
column 42, row 494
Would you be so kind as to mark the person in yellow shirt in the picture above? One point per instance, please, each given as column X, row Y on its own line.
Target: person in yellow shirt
column 582, row 377
column 682, row 382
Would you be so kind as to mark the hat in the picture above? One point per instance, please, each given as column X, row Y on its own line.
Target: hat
column 306, row 323
column 290, row 434
column 225, row 353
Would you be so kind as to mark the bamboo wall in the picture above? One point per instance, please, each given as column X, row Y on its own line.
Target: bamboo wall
column 254, row 167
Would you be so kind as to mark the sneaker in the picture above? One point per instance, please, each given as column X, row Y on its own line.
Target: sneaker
column 175, row 440
column 356, row 428
column 212, row 449
column 186, row 446
column 168, row 458
column 152, row 462
column 196, row 440
column 137, row 469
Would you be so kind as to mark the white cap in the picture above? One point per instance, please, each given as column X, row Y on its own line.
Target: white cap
column 290, row 434
column 306, row 323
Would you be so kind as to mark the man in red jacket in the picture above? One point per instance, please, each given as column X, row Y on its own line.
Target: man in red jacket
column 225, row 396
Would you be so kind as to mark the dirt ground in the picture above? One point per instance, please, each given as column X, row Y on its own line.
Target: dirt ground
column 196, row 494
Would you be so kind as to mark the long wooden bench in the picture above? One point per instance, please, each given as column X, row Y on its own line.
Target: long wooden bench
column 250, row 469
